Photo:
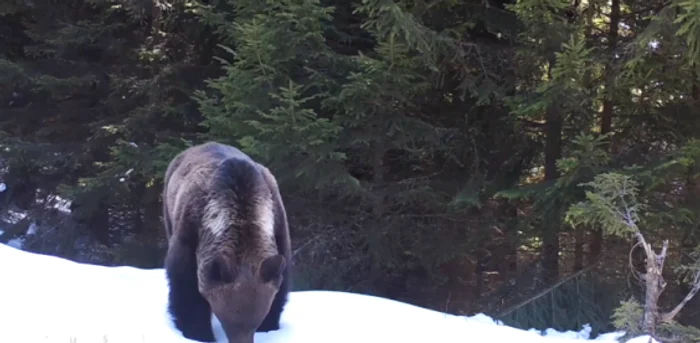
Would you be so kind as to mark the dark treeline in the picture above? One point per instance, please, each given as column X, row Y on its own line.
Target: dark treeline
column 433, row 152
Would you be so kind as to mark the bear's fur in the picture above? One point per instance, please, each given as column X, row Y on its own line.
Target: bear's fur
column 228, row 244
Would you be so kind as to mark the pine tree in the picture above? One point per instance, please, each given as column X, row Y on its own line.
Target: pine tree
column 268, row 103
column 94, row 87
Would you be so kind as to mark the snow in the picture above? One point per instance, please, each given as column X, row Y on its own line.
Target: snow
column 13, row 217
column 50, row 299
column 31, row 230
column 16, row 243
column 642, row 339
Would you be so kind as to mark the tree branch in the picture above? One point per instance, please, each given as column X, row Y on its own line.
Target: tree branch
column 551, row 288
column 631, row 263
column 662, row 257
column 667, row 317
column 640, row 238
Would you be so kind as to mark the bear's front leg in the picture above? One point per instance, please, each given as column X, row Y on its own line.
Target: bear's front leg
column 190, row 311
column 272, row 319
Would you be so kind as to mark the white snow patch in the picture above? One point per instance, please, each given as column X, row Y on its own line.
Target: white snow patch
column 16, row 243
column 31, row 230
column 585, row 333
column 484, row 319
column 643, row 339
column 3, row 187
column 61, row 204
column 13, row 217
column 610, row 337
column 50, row 299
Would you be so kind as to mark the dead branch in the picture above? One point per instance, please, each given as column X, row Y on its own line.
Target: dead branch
column 654, row 281
column 551, row 288
column 667, row 317
column 662, row 258
column 631, row 263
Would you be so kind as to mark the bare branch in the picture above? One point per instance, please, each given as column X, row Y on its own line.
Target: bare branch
column 631, row 264
column 667, row 317
column 647, row 248
column 662, row 257
column 551, row 288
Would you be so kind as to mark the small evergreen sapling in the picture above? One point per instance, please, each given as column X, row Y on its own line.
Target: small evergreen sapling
column 614, row 204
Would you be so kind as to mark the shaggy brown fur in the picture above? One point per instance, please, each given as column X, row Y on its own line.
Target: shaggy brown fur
column 229, row 246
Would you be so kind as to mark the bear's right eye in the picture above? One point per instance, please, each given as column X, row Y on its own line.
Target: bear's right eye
column 272, row 267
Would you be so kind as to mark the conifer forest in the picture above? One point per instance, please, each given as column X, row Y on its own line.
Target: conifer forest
column 534, row 160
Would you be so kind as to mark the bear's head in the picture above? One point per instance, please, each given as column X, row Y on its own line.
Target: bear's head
column 241, row 295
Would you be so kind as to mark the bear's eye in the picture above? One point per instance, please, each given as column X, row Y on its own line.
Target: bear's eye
column 219, row 272
column 271, row 268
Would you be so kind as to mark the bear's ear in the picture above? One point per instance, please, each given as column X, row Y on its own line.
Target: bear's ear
column 219, row 271
column 271, row 268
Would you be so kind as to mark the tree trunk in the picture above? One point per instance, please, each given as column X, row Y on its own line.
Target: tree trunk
column 511, row 256
column 98, row 223
column 479, row 271
column 654, row 284
column 376, row 230
column 690, row 239
column 578, row 248
column 137, row 197
column 606, row 118
column 651, row 299
column 580, row 233
column 607, row 114
column 550, row 235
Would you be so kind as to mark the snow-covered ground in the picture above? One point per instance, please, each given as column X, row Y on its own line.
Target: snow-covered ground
column 49, row 299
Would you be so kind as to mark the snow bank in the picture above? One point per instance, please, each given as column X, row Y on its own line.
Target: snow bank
column 49, row 299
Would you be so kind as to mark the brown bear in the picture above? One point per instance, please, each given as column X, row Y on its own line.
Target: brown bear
column 228, row 244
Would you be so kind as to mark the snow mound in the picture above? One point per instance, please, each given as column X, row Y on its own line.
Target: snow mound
column 50, row 299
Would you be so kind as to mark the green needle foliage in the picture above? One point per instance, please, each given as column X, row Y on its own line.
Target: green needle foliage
column 268, row 101
column 468, row 156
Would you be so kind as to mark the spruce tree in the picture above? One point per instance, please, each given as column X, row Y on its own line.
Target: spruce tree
column 268, row 103
column 94, row 87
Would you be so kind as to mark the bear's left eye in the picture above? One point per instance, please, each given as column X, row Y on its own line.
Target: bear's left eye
column 219, row 273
